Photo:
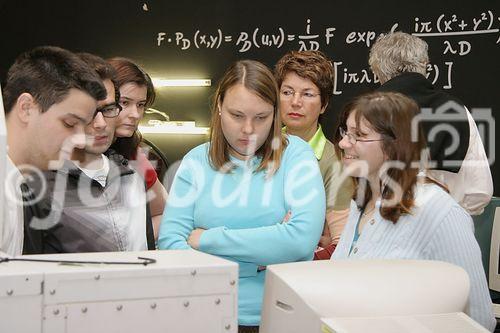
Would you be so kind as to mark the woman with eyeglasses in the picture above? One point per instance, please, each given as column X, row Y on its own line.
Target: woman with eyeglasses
column 397, row 212
column 252, row 194
column 136, row 95
column 305, row 79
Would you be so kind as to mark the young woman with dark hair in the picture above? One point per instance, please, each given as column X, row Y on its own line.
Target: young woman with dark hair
column 136, row 95
column 397, row 212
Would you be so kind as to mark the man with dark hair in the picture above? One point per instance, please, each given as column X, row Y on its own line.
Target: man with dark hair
column 99, row 202
column 50, row 95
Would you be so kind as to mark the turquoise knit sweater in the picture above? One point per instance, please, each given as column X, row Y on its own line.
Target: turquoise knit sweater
column 243, row 211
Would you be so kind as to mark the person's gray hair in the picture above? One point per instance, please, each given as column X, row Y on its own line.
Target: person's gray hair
column 396, row 53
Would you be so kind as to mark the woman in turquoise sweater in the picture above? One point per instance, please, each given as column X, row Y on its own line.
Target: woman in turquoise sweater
column 252, row 195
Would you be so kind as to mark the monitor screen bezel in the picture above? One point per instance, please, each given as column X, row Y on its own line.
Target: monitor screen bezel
column 3, row 163
column 494, row 264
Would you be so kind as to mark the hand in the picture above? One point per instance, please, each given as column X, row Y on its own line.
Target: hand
column 194, row 238
column 324, row 241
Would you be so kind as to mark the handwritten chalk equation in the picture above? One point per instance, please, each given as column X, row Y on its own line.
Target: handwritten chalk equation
column 453, row 25
column 345, row 76
column 442, row 26
column 245, row 41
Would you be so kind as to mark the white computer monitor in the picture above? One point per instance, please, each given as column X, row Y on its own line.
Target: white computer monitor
column 494, row 265
column 494, row 268
column 3, row 161
column 306, row 296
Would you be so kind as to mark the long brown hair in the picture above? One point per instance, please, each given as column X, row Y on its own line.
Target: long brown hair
column 256, row 77
column 390, row 115
column 129, row 72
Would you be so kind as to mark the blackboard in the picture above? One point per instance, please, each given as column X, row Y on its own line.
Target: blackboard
column 198, row 39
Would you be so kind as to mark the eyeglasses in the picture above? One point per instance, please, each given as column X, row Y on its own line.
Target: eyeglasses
column 353, row 138
column 305, row 96
column 109, row 111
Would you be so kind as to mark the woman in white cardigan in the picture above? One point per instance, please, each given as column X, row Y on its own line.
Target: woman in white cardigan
column 397, row 212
